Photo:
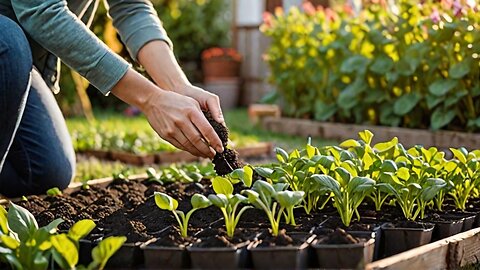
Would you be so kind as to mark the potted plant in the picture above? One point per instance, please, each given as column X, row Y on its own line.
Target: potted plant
column 221, row 72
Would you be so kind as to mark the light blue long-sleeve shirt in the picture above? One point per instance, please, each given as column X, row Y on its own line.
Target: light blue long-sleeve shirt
column 60, row 27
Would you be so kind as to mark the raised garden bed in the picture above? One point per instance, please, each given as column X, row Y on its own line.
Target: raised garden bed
column 261, row 149
column 127, row 208
column 336, row 131
column 330, row 207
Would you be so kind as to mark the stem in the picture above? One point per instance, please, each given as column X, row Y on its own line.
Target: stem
column 183, row 229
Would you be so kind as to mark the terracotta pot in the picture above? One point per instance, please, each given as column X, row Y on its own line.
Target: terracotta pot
column 220, row 68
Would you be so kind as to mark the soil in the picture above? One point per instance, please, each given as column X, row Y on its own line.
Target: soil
column 363, row 225
column 218, row 237
column 221, row 130
column 338, row 237
column 282, row 239
column 171, row 238
column 226, row 162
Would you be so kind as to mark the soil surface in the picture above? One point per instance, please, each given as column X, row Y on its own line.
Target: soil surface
column 338, row 237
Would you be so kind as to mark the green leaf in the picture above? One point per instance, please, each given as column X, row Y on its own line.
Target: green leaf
column 21, row 222
column 311, row 151
column 406, row 103
column 264, row 172
column 81, row 229
column 3, row 220
column 265, row 188
column 433, row 100
column 328, row 182
column 441, row 117
column 360, row 184
column 54, row 192
column 324, row 111
column 52, row 226
column 389, row 166
column 385, row 146
column 350, row 96
column 282, row 155
column 67, row 249
column 459, row 155
column 199, row 201
column 441, row 87
column 356, row 63
column 289, row 198
column 382, row 64
column 222, row 185
column 349, row 143
column 459, row 70
column 9, row 242
column 105, row 249
column 165, row 202
column 219, row 200
column 403, row 173
column 366, row 136
column 247, row 176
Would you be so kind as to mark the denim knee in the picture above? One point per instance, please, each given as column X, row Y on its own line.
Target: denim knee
column 54, row 172
column 14, row 48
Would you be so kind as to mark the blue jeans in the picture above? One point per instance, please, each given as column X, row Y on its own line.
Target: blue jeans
column 36, row 151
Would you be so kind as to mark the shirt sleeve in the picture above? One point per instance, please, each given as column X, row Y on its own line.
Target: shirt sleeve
column 57, row 29
column 137, row 23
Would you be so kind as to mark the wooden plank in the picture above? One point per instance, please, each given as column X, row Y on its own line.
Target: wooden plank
column 464, row 250
column 450, row 253
column 432, row 256
column 340, row 132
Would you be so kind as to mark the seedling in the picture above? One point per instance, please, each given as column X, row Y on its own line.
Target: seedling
column 54, row 192
column 228, row 203
column 348, row 192
column 168, row 203
column 273, row 200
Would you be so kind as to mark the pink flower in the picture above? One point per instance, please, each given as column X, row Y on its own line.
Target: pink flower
column 457, row 8
column 348, row 9
column 267, row 19
column 308, row 8
column 435, row 16
column 330, row 14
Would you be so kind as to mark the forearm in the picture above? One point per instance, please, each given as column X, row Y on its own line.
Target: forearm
column 135, row 90
column 160, row 63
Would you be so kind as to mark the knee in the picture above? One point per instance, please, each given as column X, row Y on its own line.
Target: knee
column 57, row 172
column 14, row 47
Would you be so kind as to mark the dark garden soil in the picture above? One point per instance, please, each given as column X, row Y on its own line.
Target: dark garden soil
column 339, row 237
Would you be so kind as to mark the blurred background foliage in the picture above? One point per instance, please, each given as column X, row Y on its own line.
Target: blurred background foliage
column 192, row 25
column 411, row 64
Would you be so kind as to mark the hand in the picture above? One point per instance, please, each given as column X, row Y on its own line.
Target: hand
column 207, row 100
column 179, row 120
column 176, row 118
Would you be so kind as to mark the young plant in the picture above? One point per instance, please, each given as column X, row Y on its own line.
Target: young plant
column 228, row 203
column 465, row 176
column 348, row 193
column 168, row 203
column 274, row 201
column 53, row 192
column 24, row 245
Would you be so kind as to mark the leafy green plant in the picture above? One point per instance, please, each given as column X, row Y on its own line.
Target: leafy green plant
column 165, row 202
column 228, row 203
column 24, row 245
column 464, row 175
column 417, row 67
column 54, row 192
column 274, row 201
column 348, row 192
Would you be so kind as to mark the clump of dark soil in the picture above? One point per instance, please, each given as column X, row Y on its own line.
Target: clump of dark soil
column 226, row 162
column 221, row 130
column 407, row 224
column 338, row 237
column 282, row 239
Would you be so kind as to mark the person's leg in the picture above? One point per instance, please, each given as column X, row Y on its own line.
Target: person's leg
column 41, row 155
column 15, row 66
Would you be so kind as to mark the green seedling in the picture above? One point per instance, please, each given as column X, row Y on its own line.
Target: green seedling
column 274, row 201
column 168, row 203
column 228, row 203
